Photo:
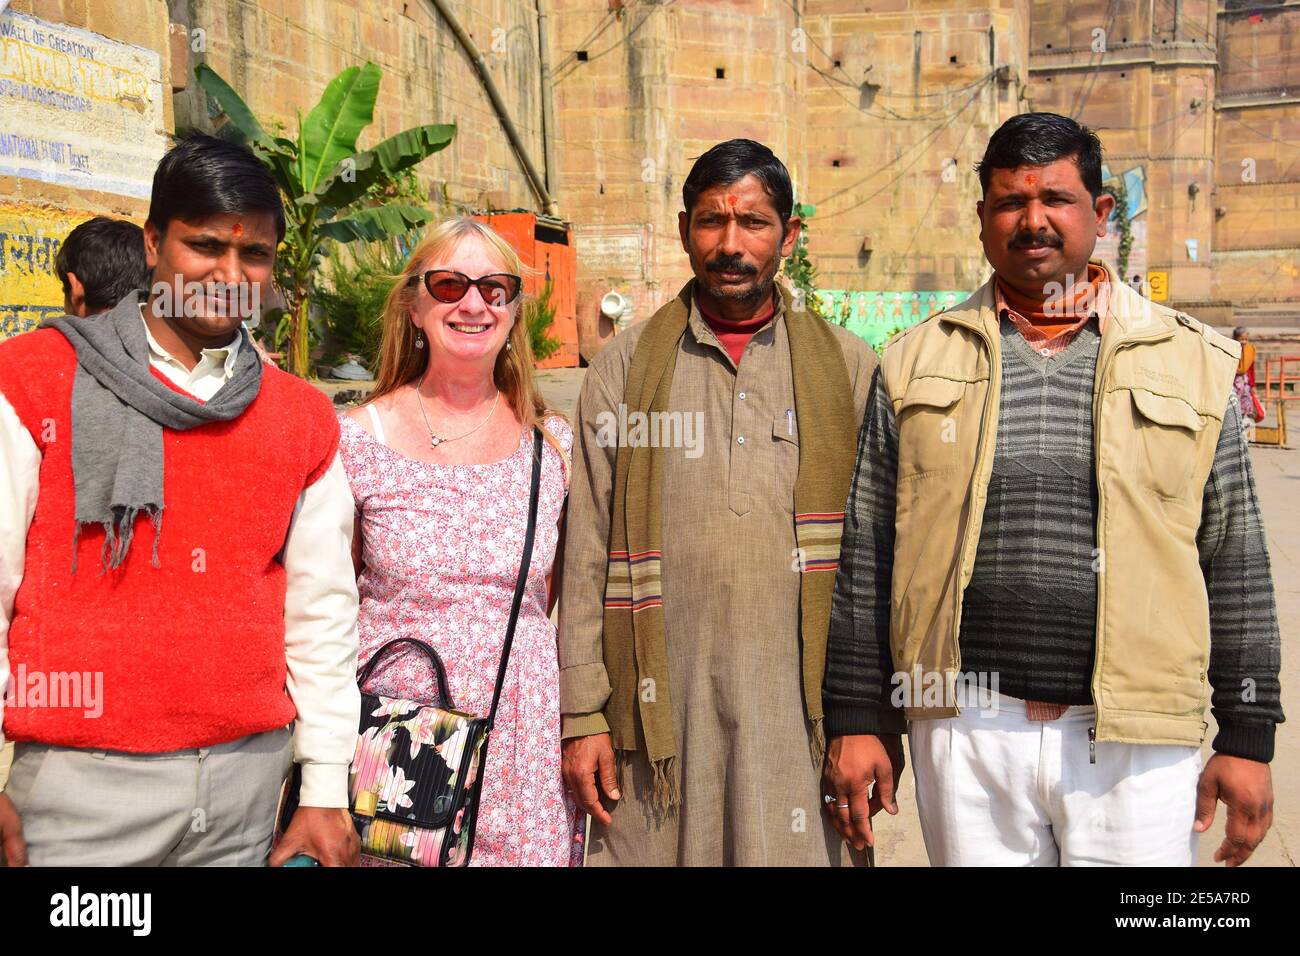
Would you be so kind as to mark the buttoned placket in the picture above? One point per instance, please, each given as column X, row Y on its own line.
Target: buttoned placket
column 746, row 428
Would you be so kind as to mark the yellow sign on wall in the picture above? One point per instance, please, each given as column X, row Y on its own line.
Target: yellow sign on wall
column 30, row 237
column 1158, row 284
column 77, row 108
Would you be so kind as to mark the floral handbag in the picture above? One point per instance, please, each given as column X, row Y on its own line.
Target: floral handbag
column 416, row 778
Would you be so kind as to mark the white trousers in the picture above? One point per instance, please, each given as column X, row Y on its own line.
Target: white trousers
column 996, row 789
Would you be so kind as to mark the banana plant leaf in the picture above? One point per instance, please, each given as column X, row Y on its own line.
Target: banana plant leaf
column 234, row 107
column 375, row 223
column 356, row 174
column 329, row 133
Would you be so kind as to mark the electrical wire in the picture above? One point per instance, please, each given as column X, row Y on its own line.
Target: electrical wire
column 920, row 152
column 928, row 209
column 591, row 58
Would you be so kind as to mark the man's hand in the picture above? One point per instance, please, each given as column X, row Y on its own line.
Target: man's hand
column 585, row 761
column 853, row 763
column 325, row 834
column 12, row 844
column 1246, row 788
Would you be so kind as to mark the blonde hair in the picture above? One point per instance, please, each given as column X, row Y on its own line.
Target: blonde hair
column 401, row 363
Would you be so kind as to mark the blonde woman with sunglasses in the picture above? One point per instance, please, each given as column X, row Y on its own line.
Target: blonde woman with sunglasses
column 439, row 459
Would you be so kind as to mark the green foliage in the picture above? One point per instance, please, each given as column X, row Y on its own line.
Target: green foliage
column 880, row 346
column 359, row 280
column 1123, row 225
column 798, row 268
column 539, row 315
column 332, row 191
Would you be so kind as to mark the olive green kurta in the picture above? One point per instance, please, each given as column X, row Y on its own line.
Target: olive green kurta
column 750, row 792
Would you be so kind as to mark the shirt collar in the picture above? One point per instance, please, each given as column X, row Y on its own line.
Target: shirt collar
column 700, row 328
column 1101, row 309
column 223, row 358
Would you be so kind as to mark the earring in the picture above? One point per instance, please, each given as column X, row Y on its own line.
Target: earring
column 507, row 346
column 419, row 339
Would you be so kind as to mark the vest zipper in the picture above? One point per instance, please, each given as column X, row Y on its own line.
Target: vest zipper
column 1104, row 359
column 987, row 440
column 1098, row 389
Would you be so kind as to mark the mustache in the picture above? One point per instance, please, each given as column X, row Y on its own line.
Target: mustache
column 1023, row 240
column 731, row 264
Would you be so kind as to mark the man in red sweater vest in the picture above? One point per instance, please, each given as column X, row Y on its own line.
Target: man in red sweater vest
column 162, row 676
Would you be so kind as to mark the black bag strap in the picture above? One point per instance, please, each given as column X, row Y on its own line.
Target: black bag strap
column 520, row 584
column 440, row 672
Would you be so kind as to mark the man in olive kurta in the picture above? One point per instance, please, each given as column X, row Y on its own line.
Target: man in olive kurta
column 746, row 791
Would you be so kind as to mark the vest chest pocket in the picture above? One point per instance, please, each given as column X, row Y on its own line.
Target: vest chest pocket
column 1166, row 434
column 928, row 421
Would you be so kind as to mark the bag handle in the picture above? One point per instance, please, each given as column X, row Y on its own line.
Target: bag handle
column 444, row 689
column 520, row 585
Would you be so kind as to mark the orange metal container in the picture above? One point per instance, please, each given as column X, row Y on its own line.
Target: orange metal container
column 546, row 247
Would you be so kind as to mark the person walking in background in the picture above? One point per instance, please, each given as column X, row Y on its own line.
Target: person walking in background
column 439, row 459
column 1243, row 384
column 99, row 262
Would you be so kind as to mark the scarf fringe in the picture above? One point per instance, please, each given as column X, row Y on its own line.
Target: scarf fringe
column 817, row 742
column 117, row 537
column 620, row 759
column 666, row 795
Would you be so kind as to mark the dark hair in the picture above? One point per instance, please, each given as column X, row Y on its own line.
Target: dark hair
column 732, row 161
column 107, row 256
column 1036, row 139
column 204, row 176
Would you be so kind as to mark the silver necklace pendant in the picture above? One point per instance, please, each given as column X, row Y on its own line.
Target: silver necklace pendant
column 434, row 441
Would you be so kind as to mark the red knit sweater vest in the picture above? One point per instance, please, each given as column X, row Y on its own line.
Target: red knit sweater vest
column 190, row 653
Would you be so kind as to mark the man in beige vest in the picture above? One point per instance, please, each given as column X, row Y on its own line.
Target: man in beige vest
column 1053, row 557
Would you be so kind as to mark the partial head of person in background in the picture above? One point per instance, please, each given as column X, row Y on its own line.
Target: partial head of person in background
column 737, row 222
column 99, row 262
column 458, row 305
column 1241, row 333
column 215, row 220
column 1043, row 207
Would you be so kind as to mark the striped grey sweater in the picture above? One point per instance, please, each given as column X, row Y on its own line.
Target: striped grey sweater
column 1029, row 610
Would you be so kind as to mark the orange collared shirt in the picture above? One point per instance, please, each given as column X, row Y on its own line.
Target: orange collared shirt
column 1048, row 343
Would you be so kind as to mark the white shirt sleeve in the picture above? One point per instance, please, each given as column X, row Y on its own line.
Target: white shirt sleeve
column 20, row 465
column 320, row 637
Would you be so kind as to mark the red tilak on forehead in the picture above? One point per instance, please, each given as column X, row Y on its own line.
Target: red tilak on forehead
column 238, row 229
column 731, row 201
column 1031, row 179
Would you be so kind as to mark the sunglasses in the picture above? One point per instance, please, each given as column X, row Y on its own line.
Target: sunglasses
column 446, row 285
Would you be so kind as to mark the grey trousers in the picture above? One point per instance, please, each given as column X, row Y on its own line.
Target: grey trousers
column 212, row 806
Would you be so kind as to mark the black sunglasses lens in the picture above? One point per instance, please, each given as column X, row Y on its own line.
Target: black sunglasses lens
column 446, row 286
column 499, row 290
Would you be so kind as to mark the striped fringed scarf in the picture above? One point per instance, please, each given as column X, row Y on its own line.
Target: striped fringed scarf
column 635, row 644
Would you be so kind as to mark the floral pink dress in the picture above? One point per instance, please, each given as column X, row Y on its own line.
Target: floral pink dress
column 442, row 545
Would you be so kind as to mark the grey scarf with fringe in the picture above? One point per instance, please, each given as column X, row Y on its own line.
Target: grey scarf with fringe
column 119, row 411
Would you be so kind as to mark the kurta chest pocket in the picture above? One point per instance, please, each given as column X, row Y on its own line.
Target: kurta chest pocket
column 929, row 422
column 785, row 460
column 1167, row 430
